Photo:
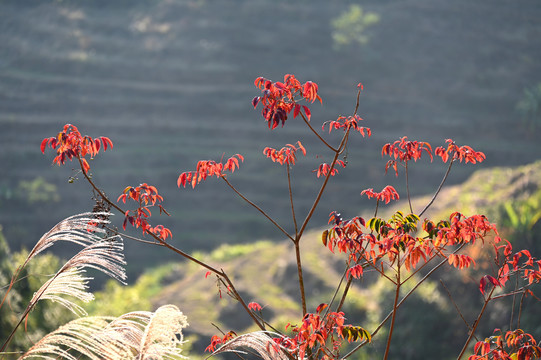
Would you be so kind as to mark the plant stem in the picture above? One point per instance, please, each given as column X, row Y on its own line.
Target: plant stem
column 408, row 187
column 258, row 209
column 456, row 306
column 440, row 264
column 221, row 273
column 315, row 132
column 291, row 200
column 439, row 188
column 301, row 280
column 324, row 185
column 395, row 307
column 476, row 323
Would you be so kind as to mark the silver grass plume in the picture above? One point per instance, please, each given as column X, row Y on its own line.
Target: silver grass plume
column 160, row 339
column 101, row 338
column 69, row 282
column 259, row 341
column 82, row 229
column 103, row 254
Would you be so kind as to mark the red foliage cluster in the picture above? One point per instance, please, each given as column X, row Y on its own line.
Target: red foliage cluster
column 324, row 169
column 69, row 144
column 403, row 151
column 254, row 306
column 206, row 168
column 285, row 155
column 465, row 153
column 381, row 238
column 459, row 229
column 216, row 340
column 346, row 122
column 280, row 98
column 146, row 196
column 321, row 333
column 516, row 344
column 388, row 193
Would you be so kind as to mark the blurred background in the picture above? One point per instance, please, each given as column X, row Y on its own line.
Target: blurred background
column 170, row 82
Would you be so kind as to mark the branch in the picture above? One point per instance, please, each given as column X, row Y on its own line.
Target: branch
column 408, row 188
column 476, row 323
column 301, row 280
column 323, row 186
column 400, row 303
column 219, row 273
column 439, row 188
column 395, row 308
column 315, row 132
column 258, row 209
column 456, row 306
column 291, row 200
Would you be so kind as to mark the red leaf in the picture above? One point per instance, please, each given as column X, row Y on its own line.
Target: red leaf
column 86, row 167
column 182, row 180
column 296, row 110
column 255, row 101
column 321, row 307
column 106, row 142
column 43, row 145
column 254, row 306
column 307, row 111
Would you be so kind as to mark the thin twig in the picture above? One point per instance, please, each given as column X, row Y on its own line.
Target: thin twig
column 323, row 186
column 438, row 190
column 520, row 308
column 456, row 307
column 476, row 323
column 219, row 273
column 513, row 304
column 440, row 264
column 258, row 209
column 291, row 199
column 301, row 280
column 315, row 132
column 395, row 308
column 408, row 187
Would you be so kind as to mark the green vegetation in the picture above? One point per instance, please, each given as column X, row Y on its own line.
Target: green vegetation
column 38, row 191
column 46, row 317
column 529, row 107
column 350, row 27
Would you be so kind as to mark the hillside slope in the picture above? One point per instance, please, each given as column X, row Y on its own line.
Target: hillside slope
column 170, row 82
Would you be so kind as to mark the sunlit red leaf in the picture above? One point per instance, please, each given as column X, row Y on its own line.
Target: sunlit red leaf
column 297, row 110
column 254, row 306
column 307, row 112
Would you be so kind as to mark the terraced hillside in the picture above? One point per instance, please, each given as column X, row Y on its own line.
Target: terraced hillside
column 170, row 82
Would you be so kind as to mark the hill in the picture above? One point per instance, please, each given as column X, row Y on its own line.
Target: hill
column 170, row 82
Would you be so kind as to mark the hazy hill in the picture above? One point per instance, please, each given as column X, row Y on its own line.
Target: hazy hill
column 170, row 82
